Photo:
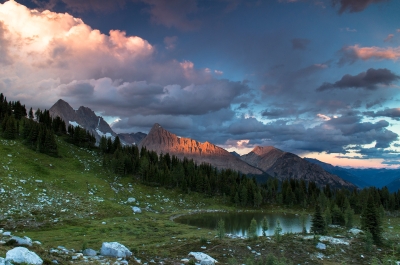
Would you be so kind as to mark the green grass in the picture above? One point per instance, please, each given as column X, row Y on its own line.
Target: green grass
column 73, row 201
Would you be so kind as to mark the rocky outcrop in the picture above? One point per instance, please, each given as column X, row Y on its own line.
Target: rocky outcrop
column 84, row 117
column 162, row 141
column 285, row 165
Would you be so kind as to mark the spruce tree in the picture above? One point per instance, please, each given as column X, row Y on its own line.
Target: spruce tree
column 318, row 223
column 253, row 229
column 371, row 220
column 221, row 228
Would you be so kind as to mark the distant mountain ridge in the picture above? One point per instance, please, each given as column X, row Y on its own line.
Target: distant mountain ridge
column 163, row 141
column 87, row 119
column 285, row 165
column 341, row 172
column 365, row 177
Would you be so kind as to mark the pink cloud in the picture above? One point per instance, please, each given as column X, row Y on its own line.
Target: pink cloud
column 46, row 55
column 352, row 53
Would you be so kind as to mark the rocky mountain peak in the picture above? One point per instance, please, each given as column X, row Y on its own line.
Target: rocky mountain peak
column 262, row 150
column 163, row 141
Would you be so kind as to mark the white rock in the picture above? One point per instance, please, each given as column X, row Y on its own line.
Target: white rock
column 6, row 233
column 321, row 245
column 131, row 200
column 114, row 249
column 23, row 255
column 23, row 241
column 200, row 256
column 355, row 231
column 89, row 252
column 136, row 209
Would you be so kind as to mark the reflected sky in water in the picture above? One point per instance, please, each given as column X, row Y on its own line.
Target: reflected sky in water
column 238, row 223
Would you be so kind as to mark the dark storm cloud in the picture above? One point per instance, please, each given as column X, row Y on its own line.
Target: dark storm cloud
column 300, row 44
column 366, row 80
column 331, row 136
column 76, row 89
column 354, row 6
column 153, row 99
column 375, row 102
column 393, row 113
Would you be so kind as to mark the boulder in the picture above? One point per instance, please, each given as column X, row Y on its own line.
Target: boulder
column 203, row 258
column 6, row 233
column 355, row 231
column 321, row 245
column 23, row 255
column 89, row 252
column 136, row 209
column 130, row 200
column 114, row 249
column 23, row 241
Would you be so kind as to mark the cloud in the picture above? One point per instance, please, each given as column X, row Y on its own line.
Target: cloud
column 389, row 38
column 173, row 13
column 379, row 102
column 350, row 54
column 4, row 44
column 170, row 42
column 98, row 6
column 393, row 113
column 331, row 135
column 300, row 44
column 57, row 55
column 349, row 29
column 152, row 99
column 354, row 6
column 366, row 80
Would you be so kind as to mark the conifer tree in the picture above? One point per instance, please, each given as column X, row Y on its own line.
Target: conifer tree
column 371, row 220
column 318, row 223
column 221, row 229
column 253, row 229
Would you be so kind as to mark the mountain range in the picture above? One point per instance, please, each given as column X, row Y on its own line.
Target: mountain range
column 364, row 177
column 262, row 162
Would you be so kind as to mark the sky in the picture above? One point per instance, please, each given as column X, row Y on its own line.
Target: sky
column 319, row 78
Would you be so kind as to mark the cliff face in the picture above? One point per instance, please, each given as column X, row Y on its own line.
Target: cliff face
column 162, row 141
column 84, row 117
column 285, row 165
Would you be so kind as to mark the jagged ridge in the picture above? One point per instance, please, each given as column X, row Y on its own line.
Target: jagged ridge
column 162, row 141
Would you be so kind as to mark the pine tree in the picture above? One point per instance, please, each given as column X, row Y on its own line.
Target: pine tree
column 318, row 223
column 221, row 229
column 371, row 220
column 278, row 231
column 253, row 229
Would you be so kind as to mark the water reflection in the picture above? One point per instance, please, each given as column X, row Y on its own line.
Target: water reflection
column 238, row 223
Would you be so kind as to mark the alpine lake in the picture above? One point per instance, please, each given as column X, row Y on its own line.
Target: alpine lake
column 237, row 223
